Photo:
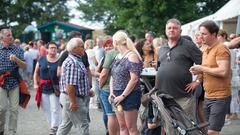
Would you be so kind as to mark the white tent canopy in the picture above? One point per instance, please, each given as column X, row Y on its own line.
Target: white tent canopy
column 229, row 13
column 192, row 27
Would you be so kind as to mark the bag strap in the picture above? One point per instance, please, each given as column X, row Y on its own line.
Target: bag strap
column 48, row 67
column 125, row 55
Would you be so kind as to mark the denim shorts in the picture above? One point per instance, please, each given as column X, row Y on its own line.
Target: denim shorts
column 215, row 111
column 106, row 105
column 132, row 101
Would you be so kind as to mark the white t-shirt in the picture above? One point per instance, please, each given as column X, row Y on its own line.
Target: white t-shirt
column 29, row 56
column 91, row 54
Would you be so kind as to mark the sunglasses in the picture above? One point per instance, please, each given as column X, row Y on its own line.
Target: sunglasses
column 168, row 56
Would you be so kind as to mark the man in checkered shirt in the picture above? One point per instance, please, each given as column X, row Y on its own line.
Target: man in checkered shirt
column 75, row 90
column 11, row 58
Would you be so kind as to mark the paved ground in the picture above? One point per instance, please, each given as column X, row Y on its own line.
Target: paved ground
column 32, row 122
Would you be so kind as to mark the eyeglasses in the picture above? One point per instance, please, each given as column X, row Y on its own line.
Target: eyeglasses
column 168, row 56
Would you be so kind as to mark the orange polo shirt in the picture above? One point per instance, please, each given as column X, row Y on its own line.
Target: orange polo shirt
column 216, row 87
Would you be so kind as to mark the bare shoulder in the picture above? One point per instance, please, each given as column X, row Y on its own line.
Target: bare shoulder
column 133, row 57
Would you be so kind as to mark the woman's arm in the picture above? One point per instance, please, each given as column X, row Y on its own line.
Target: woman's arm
column 36, row 76
column 132, row 82
column 111, row 90
column 103, row 76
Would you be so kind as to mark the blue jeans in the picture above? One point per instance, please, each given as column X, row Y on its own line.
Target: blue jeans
column 105, row 118
column 106, row 105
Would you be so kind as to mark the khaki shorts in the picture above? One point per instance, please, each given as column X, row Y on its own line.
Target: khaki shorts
column 188, row 104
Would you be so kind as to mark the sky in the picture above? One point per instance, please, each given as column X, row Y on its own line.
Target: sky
column 72, row 5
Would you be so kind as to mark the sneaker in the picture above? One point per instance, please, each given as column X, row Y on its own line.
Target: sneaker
column 53, row 131
column 227, row 122
column 233, row 117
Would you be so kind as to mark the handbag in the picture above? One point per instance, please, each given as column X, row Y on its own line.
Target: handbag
column 24, row 94
column 56, row 90
column 55, row 87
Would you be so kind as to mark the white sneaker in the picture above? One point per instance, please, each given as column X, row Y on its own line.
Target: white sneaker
column 227, row 122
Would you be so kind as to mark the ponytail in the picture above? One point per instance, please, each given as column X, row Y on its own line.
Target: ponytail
column 131, row 47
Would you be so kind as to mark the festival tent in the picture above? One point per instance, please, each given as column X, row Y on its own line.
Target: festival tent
column 227, row 17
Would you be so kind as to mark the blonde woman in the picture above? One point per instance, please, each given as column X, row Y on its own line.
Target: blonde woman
column 88, row 45
column 125, row 84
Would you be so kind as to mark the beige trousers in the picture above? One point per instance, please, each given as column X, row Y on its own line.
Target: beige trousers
column 9, row 100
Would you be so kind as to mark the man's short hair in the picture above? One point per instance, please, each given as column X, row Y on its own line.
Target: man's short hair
column 50, row 43
column 211, row 26
column 40, row 42
column 30, row 43
column 223, row 33
column 74, row 34
column 73, row 43
column 174, row 20
column 3, row 31
column 153, row 34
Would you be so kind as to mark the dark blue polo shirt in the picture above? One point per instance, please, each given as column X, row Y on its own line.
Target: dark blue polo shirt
column 173, row 74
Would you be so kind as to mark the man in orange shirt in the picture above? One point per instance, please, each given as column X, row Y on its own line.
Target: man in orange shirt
column 215, row 69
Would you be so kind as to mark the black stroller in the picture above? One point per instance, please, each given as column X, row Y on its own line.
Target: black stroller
column 171, row 116
column 149, row 124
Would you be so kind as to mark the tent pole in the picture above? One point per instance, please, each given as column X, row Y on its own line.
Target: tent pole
column 238, row 25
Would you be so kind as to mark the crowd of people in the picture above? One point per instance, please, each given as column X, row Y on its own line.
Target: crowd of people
column 202, row 75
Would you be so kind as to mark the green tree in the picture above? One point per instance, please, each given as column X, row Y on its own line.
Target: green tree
column 23, row 12
column 211, row 6
column 139, row 16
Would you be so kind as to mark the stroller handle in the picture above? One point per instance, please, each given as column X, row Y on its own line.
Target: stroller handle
column 152, row 91
column 197, row 126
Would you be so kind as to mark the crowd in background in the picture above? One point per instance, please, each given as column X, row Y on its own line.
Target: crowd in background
column 111, row 67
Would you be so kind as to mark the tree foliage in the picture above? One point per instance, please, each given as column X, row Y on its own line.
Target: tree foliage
column 139, row 16
column 211, row 6
column 23, row 12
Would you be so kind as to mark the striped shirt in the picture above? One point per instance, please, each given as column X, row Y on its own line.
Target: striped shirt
column 7, row 65
column 74, row 73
